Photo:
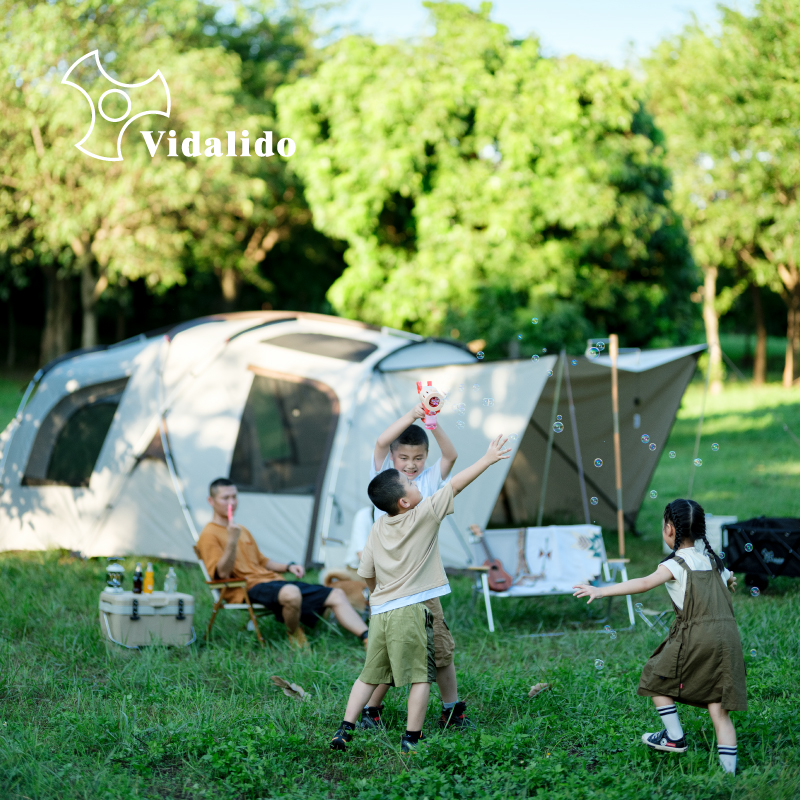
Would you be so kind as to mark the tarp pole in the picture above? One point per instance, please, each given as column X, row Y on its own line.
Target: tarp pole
column 614, row 347
column 699, row 432
column 559, row 373
column 578, row 460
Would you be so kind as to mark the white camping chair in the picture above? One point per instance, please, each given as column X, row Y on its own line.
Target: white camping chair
column 216, row 588
column 544, row 561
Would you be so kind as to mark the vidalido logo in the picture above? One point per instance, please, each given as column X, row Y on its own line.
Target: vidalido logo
column 105, row 135
column 114, row 91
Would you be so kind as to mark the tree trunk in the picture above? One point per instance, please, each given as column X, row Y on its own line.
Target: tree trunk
column 711, row 321
column 792, row 338
column 11, row 353
column 229, row 280
column 760, row 360
column 120, row 325
column 57, row 332
column 88, row 304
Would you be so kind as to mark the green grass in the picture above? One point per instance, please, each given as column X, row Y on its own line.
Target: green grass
column 78, row 720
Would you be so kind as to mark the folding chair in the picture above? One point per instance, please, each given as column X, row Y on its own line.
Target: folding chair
column 216, row 588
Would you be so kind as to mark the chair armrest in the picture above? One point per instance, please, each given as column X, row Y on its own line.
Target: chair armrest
column 618, row 560
column 478, row 569
column 227, row 584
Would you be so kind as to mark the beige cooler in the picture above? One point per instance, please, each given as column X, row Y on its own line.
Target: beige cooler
column 132, row 620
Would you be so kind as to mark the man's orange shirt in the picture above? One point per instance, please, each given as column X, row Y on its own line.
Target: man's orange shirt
column 250, row 563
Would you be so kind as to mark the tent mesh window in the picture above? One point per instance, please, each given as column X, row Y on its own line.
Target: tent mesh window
column 322, row 344
column 71, row 436
column 283, row 437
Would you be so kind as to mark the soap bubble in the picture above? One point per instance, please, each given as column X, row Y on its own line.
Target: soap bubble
column 534, row 358
column 594, row 501
column 753, row 652
column 519, row 336
column 722, row 554
column 755, row 591
column 598, row 462
column 748, row 548
column 479, row 355
column 715, row 447
column 460, row 424
column 599, row 664
column 653, row 494
column 488, row 401
column 574, row 362
column 558, row 427
column 461, row 408
column 535, row 320
column 549, row 373
column 638, row 607
column 653, row 446
column 544, row 349
column 593, row 352
column 698, row 462
column 558, row 417
column 613, row 635
column 460, row 387
column 601, row 346
column 645, row 438
column 607, row 628
column 513, row 437
column 672, row 454
column 476, row 387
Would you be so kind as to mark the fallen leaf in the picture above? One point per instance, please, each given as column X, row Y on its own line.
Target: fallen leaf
column 537, row 689
column 290, row 689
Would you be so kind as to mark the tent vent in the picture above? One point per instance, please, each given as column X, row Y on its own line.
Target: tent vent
column 321, row 344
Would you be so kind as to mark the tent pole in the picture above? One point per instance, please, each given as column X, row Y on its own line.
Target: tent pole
column 575, row 438
column 562, row 357
column 614, row 347
column 699, row 432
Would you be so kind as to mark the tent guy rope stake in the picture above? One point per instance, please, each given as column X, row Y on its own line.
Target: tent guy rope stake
column 613, row 342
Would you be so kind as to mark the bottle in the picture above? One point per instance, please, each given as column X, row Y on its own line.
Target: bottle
column 171, row 582
column 148, row 579
column 137, row 579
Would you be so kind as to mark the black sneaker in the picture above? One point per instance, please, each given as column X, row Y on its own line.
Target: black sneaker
column 371, row 718
column 660, row 741
column 454, row 718
column 340, row 739
column 407, row 746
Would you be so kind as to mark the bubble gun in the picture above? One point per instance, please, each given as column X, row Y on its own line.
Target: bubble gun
column 432, row 401
column 230, row 513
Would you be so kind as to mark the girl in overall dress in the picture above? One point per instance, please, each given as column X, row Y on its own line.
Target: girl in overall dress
column 700, row 663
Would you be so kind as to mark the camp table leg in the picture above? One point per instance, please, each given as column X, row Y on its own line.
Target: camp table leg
column 488, row 601
column 253, row 619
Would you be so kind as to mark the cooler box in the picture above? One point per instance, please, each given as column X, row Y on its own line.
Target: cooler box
column 132, row 620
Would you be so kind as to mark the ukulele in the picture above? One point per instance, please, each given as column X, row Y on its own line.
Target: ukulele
column 499, row 579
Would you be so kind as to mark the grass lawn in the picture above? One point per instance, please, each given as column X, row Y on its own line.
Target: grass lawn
column 80, row 721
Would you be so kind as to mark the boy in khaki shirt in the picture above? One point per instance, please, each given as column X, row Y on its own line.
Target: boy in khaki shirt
column 401, row 564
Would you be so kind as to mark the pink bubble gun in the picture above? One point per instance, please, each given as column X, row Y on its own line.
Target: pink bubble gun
column 432, row 401
column 230, row 513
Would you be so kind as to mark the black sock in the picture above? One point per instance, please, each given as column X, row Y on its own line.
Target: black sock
column 413, row 736
column 347, row 726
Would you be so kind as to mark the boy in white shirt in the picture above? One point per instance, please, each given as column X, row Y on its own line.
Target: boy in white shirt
column 404, row 446
column 401, row 565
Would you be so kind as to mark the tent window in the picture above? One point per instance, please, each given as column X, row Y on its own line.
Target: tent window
column 284, row 437
column 71, row 436
column 323, row 345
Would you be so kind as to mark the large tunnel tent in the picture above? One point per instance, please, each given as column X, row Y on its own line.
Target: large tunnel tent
column 651, row 385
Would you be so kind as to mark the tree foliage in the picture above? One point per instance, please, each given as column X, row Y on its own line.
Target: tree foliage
column 479, row 185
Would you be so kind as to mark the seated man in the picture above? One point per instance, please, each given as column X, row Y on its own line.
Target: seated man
column 229, row 551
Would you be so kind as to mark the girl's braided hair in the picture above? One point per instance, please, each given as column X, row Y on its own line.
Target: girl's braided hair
column 689, row 520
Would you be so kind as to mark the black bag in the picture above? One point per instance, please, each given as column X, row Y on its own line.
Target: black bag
column 766, row 546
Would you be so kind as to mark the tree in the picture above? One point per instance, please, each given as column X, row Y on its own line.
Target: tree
column 479, row 185
column 724, row 103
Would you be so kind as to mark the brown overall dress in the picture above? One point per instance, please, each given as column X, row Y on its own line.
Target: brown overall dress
column 700, row 661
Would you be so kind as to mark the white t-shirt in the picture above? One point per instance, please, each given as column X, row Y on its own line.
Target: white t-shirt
column 362, row 525
column 697, row 562
column 429, row 481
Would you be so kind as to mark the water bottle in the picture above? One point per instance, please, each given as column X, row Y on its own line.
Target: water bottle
column 171, row 582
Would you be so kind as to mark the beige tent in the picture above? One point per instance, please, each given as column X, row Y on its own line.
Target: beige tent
column 112, row 451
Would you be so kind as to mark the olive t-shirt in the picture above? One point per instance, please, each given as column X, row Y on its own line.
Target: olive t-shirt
column 250, row 563
column 402, row 553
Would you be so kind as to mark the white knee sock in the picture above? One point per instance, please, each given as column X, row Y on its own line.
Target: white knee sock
column 669, row 718
column 727, row 757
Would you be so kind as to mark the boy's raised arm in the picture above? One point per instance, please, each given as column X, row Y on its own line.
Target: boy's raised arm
column 449, row 452
column 494, row 454
column 385, row 440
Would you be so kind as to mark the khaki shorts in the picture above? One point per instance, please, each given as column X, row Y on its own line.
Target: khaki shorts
column 400, row 647
column 443, row 642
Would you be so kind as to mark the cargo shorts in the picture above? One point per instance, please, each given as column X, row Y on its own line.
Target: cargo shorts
column 443, row 643
column 400, row 647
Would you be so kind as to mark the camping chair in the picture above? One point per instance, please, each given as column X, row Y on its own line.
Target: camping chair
column 216, row 588
column 563, row 555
